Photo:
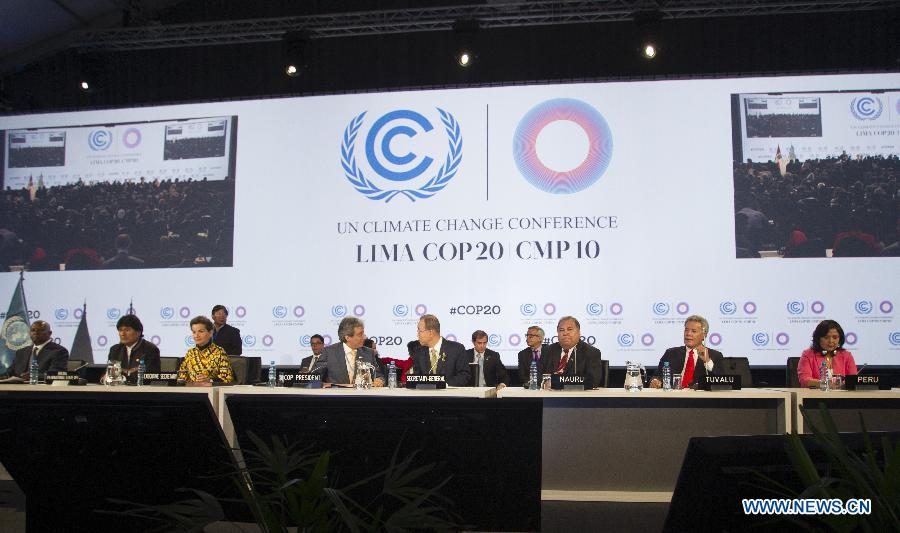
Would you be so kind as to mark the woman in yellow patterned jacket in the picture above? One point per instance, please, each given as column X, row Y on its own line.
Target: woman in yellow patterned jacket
column 206, row 361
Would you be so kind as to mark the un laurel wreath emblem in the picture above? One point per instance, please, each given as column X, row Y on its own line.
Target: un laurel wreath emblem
column 15, row 332
column 432, row 186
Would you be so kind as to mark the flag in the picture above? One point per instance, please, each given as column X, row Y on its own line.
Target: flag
column 130, row 307
column 792, row 156
column 81, row 346
column 16, row 329
column 780, row 162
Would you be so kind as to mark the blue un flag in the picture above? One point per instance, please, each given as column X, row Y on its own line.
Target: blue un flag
column 15, row 332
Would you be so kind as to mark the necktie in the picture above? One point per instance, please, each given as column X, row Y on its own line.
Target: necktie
column 481, row 370
column 688, row 376
column 312, row 363
column 537, row 355
column 434, row 360
column 351, row 366
column 563, row 362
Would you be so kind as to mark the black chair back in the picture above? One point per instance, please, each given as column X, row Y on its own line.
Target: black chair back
column 739, row 366
column 74, row 364
column 246, row 369
column 169, row 364
column 791, row 378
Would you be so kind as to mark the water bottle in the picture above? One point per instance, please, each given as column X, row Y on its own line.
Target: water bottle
column 141, row 369
column 272, row 374
column 392, row 375
column 666, row 376
column 533, row 376
column 33, row 371
column 823, row 377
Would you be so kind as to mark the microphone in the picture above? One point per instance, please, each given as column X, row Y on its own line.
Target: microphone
column 860, row 369
column 79, row 368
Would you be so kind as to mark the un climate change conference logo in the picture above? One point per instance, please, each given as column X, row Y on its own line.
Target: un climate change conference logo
column 100, row 140
column 866, row 107
column 578, row 175
column 380, row 154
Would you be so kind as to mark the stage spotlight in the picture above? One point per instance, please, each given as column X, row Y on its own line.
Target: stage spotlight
column 466, row 33
column 85, row 86
column 291, row 70
column 649, row 50
column 464, row 58
column 295, row 47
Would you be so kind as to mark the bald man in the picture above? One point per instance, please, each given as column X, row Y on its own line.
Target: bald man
column 51, row 356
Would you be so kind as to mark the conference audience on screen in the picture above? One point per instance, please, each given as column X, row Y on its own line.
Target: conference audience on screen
column 693, row 361
column 437, row 356
column 51, row 357
column 148, row 223
column 784, row 125
column 570, row 355
column 339, row 362
column 828, row 347
column 132, row 347
column 206, row 362
column 225, row 335
column 491, row 372
column 534, row 340
column 316, row 343
column 845, row 204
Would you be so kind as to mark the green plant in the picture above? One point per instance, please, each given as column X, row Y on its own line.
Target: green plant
column 851, row 475
column 285, row 486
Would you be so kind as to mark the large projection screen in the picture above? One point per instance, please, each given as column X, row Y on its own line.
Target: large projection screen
column 763, row 204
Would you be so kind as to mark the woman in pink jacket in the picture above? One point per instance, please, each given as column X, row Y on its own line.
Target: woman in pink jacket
column 828, row 346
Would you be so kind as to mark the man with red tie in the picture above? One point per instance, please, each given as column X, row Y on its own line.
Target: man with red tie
column 572, row 356
column 693, row 360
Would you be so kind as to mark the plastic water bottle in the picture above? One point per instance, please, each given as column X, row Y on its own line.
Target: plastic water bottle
column 392, row 375
column 823, row 377
column 272, row 374
column 33, row 371
column 533, row 376
column 142, row 368
column 666, row 376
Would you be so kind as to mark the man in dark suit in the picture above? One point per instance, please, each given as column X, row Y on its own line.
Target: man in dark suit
column 50, row 356
column 339, row 361
column 123, row 257
column 692, row 354
column 438, row 356
column 572, row 356
column 492, row 372
column 225, row 336
column 132, row 347
column 316, row 342
column 534, row 338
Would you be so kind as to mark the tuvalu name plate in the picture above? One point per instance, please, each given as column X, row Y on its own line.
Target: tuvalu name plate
column 571, row 383
column 300, row 379
column 425, row 382
column 720, row 382
column 868, row 382
column 163, row 379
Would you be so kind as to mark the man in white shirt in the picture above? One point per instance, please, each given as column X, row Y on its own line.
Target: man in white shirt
column 51, row 357
column 693, row 360
column 340, row 361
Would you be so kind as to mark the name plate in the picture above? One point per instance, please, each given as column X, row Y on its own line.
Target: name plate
column 721, row 382
column 163, row 379
column 64, row 378
column 300, row 379
column 425, row 382
column 868, row 382
column 558, row 382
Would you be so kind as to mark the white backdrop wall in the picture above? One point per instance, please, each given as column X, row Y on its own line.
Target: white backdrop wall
column 632, row 231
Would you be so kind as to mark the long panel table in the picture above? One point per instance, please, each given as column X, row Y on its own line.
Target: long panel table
column 880, row 409
column 614, row 445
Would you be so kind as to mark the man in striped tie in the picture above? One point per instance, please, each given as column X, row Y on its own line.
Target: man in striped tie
column 693, row 360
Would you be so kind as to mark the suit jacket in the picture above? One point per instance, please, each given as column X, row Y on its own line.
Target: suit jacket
column 143, row 348
column 452, row 363
column 675, row 356
column 304, row 363
column 494, row 371
column 585, row 362
column 525, row 357
column 333, row 363
column 229, row 339
column 51, row 358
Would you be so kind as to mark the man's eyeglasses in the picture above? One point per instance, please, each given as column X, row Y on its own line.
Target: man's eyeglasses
column 532, row 335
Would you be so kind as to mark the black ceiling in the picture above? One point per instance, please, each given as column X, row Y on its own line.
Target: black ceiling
column 44, row 54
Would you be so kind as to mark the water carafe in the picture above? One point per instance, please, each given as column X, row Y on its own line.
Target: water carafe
column 634, row 377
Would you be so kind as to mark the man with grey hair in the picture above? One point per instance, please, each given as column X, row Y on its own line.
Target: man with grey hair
column 534, row 339
column 440, row 356
column 339, row 361
column 693, row 360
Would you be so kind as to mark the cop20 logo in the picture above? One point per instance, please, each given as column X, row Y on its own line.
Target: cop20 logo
column 760, row 339
column 727, row 308
column 112, row 313
column 796, row 307
column 894, row 338
column 61, row 314
column 166, row 313
column 339, row 311
column 401, row 310
column 863, row 307
column 100, row 140
column 249, row 341
column 528, row 309
column 494, row 339
column 866, row 107
column 380, row 154
column 625, row 340
column 279, row 311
